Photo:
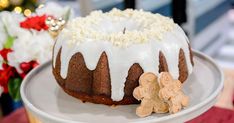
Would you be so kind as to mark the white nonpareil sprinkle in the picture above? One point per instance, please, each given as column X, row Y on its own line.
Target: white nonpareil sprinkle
column 121, row 28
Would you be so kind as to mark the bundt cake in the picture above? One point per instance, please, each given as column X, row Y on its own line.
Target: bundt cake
column 99, row 58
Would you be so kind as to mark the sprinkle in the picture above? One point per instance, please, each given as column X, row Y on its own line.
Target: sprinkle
column 111, row 26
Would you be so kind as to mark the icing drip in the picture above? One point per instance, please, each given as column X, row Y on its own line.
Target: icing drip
column 120, row 59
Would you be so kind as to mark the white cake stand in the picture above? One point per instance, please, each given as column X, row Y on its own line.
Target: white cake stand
column 46, row 100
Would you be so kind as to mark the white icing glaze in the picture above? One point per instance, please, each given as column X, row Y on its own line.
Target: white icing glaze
column 120, row 59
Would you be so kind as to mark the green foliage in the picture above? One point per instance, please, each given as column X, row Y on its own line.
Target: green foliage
column 9, row 42
column 14, row 88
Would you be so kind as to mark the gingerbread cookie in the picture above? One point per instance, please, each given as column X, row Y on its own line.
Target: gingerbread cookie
column 147, row 92
column 171, row 92
column 159, row 95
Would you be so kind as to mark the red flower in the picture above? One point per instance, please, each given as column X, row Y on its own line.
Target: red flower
column 5, row 75
column 27, row 67
column 4, row 53
column 34, row 64
column 10, row 72
column 7, row 70
column 36, row 22
column 22, row 75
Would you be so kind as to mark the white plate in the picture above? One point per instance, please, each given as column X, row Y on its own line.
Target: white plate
column 45, row 99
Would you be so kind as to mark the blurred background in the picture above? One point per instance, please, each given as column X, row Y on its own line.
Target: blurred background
column 209, row 24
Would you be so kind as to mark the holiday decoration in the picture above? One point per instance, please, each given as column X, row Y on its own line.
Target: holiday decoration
column 35, row 22
column 26, row 41
column 55, row 25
